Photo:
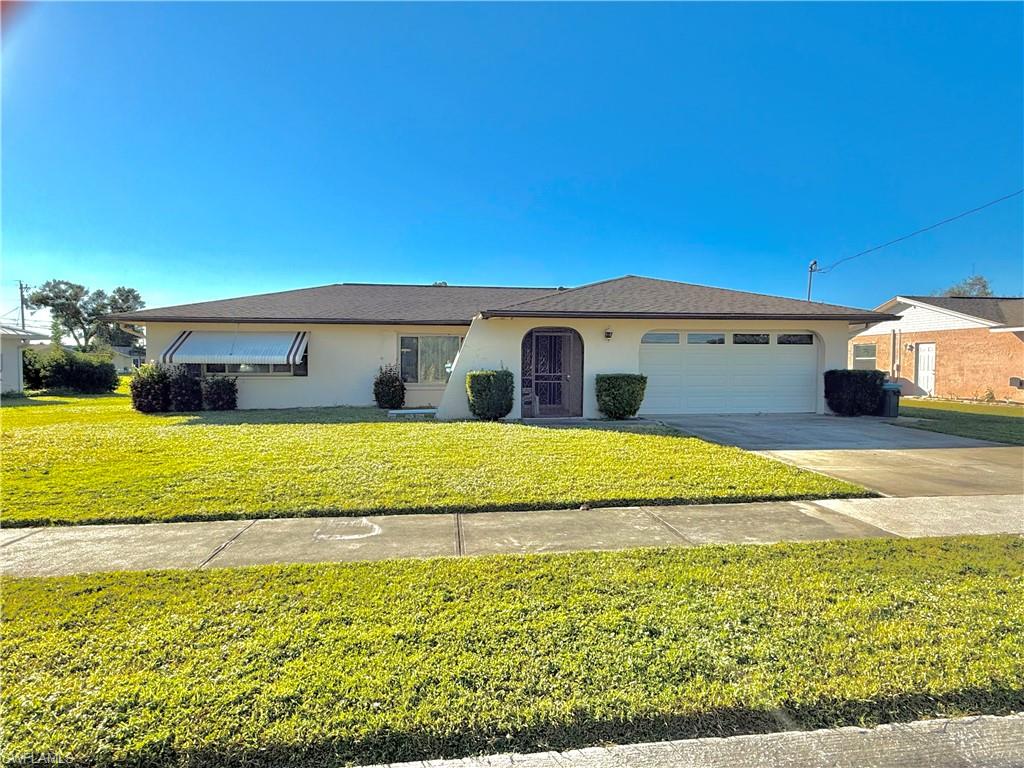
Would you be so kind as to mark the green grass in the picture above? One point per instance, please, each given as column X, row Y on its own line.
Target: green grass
column 1002, row 423
column 323, row 665
column 93, row 459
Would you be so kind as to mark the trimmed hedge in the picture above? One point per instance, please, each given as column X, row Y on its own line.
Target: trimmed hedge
column 86, row 372
column 388, row 388
column 151, row 388
column 619, row 395
column 185, row 389
column 490, row 393
column 220, row 393
column 854, row 393
column 158, row 388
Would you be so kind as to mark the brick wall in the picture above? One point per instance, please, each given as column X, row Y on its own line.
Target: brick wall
column 967, row 362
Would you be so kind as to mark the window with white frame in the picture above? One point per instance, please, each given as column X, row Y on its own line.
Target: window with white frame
column 427, row 359
column 805, row 339
column 300, row 368
column 660, row 337
column 864, row 357
column 705, row 338
column 750, row 338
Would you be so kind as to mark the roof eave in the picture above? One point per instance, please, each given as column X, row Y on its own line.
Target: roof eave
column 873, row 317
column 143, row 320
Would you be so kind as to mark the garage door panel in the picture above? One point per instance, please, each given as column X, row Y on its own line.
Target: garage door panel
column 729, row 378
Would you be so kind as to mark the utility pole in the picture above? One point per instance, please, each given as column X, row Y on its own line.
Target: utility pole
column 811, row 269
column 21, row 302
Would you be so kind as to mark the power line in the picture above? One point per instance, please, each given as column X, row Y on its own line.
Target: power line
column 813, row 267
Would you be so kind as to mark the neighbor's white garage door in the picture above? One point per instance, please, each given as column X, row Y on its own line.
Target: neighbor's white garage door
column 729, row 372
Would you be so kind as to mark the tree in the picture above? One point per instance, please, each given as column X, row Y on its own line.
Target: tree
column 81, row 312
column 975, row 285
column 121, row 299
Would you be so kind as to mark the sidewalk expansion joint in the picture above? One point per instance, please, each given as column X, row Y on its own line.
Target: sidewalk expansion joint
column 460, row 548
column 221, row 547
column 20, row 538
column 668, row 525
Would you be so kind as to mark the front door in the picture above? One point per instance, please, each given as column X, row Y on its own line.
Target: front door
column 926, row 368
column 553, row 373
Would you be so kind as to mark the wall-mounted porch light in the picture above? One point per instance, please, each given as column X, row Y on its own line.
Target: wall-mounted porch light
column 607, row 334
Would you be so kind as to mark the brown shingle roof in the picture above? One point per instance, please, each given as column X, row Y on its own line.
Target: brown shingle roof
column 647, row 297
column 347, row 303
column 629, row 296
column 1004, row 310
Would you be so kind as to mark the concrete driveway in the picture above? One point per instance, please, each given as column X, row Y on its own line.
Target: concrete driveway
column 876, row 453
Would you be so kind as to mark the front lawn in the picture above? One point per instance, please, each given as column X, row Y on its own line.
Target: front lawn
column 1002, row 423
column 94, row 460
column 324, row 665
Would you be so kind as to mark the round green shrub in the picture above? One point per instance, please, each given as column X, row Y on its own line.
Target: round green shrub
column 619, row 395
column 854, row 393
column 490, row 393
column 220, row 393
column 150, row 388
column 184, row 389
column 388, row 388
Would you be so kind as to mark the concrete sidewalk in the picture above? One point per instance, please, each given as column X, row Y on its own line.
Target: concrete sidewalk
column 970, row 742
column 79, row 549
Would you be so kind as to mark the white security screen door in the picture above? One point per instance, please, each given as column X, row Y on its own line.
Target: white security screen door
column 925, row 370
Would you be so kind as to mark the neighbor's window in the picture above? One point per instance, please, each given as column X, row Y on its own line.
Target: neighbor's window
column 705, row 338
column 258, row 369
column 750, row 338
column 795, row 338
column 864, row 357
column 428, row 359
column 660, row 337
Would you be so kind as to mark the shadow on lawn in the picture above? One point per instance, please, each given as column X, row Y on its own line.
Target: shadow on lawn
column 340, row 414
column 386, row 745
column 27, row 401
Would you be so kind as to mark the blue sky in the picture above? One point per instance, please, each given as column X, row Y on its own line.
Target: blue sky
column 199, row 150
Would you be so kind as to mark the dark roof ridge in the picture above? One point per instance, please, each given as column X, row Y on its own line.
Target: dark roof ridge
column 676, row 282
column 447, row 285
column 563, row 291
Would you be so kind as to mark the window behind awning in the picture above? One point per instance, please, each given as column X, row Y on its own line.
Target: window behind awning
column 280, row 347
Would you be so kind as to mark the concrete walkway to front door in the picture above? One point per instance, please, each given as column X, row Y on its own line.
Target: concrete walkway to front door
column 77, row 549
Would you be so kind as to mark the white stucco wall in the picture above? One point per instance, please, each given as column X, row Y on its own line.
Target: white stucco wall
column 10, row 364
column 343, row 360
column 497, row 343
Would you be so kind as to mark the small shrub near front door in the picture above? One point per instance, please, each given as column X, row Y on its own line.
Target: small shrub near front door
column 490, row 394
column 619, row 395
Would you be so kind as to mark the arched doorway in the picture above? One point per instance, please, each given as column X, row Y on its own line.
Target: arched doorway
column 552, row 373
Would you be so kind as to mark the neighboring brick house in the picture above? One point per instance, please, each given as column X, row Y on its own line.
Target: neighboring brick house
column 948, row 346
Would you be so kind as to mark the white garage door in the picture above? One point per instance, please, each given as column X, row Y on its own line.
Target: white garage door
column 729, row 372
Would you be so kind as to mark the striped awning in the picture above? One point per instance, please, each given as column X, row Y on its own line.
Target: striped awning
column 228, row 347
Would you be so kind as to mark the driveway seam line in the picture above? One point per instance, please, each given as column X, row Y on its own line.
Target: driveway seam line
column 668, row 525
column 857, row 519
column 220, row 548
column 20, row 538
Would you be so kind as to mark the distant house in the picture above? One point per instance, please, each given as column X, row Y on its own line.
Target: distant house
column 127, row 359
column 948, row 346
column 12, row 340
column 703, row 350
